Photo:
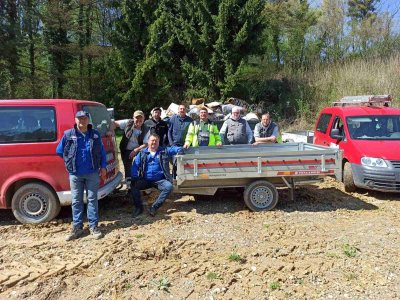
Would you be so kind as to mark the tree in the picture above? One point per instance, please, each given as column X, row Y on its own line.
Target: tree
column 57, row 20
column 331, row 26
column 10, row 41
column 187, row 48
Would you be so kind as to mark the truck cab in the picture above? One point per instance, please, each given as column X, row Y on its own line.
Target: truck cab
column 367, row 129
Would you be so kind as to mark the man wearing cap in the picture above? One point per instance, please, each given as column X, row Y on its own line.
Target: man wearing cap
column 83, row 153
column 236, row 130
column 132, row 139
column 157, row 126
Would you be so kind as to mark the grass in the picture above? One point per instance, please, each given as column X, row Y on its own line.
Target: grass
column 274, row 285
column 332, row 254
column 265, row 226
column 349, row 250
column 163, row 284
column 235, row 257
column 139, row 235
column 212, row 276
column 350, row 276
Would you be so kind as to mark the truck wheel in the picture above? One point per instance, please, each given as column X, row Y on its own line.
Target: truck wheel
column 34, row 203
column 260, row 195
column 348, row 180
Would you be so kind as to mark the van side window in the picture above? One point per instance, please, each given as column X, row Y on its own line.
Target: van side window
column 323, row 122
column 27, row 124
column 99, row 118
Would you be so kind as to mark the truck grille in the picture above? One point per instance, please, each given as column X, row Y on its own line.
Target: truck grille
column 383, row 181
column 395, row 164
column 384, row 185
column 374, row 175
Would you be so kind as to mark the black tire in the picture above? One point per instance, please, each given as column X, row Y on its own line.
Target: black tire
column 260, row 195
column 35, row 203
column 348, row 180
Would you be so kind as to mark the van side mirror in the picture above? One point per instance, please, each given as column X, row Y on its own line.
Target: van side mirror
column 335, row 134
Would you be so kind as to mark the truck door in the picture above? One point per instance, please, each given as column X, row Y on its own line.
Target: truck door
column 321, row 129
column 338, row 129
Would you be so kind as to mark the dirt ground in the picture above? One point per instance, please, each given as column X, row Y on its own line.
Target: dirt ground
column 326, row 244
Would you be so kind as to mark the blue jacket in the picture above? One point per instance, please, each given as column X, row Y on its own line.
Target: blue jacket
column 82, row 153
column 177, row 129
column 154, row 168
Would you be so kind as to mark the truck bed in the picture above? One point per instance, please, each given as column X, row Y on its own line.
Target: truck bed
column 203, row 170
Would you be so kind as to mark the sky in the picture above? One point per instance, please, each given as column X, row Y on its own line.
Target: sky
column 391, row 6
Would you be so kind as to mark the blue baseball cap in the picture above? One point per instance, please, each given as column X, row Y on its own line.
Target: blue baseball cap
column 82, row 113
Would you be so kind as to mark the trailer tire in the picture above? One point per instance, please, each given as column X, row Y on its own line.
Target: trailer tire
column 348, row 180
column 35, row 203
column 260, row 195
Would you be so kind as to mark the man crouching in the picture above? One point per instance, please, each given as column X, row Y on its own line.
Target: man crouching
column 151, row 169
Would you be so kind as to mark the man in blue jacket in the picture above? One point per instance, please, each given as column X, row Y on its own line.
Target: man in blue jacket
column 83, row 154
column 151, row 169
column 178, row 126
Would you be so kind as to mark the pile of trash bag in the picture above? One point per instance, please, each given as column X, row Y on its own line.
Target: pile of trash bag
column 218, row 111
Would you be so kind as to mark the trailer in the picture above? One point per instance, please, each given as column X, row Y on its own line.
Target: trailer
column 258, row 169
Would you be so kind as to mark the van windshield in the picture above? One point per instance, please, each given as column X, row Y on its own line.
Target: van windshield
column 99, row 118
column 374, row 127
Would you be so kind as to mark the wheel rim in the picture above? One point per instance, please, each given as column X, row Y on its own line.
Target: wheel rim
column 261, row 197
column 34, row 205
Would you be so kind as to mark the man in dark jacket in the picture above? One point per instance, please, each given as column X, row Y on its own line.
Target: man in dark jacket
column 84, row 155
column 151, row 169
column 178, row 127
column 132, row 139
column 157, row 126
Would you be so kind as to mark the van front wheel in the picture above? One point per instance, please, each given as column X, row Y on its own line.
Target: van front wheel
column 35, row 203
column 348, row 180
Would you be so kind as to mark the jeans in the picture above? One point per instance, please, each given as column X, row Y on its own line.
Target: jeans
column 80, row 183
column 164, row 186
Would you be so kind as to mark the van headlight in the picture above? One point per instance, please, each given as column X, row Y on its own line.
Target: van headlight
column 373, row 162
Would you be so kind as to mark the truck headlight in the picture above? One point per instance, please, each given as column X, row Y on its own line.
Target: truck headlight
column 373, row 162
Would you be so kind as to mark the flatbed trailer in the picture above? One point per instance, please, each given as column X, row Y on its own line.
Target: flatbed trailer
column 259, row 169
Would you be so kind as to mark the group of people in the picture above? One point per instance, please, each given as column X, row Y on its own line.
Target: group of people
column 147, row 148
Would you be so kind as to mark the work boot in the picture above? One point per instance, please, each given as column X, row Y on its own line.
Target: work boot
column 137, row 212
column 152, row 211
column 96, row 233
column 74, row 234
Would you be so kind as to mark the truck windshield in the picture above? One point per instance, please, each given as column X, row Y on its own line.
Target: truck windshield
column 374, row 127
column 99, row 118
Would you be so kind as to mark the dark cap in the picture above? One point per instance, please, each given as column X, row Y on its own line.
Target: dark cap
column 82, row 113
column 156, row 108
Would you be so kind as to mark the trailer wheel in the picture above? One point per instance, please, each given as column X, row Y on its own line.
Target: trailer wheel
column 348, row 180
column 35, row 203
column 260, row 195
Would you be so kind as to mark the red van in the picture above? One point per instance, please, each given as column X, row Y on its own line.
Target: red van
column 367, row 129
column 33, row 179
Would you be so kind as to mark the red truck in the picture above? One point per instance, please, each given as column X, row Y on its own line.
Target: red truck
column 33, row 179
column 367, row 129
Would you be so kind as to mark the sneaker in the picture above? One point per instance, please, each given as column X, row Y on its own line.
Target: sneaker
column 74, row 234
column 96, row 233
column 152, row 211
column 137, row 212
